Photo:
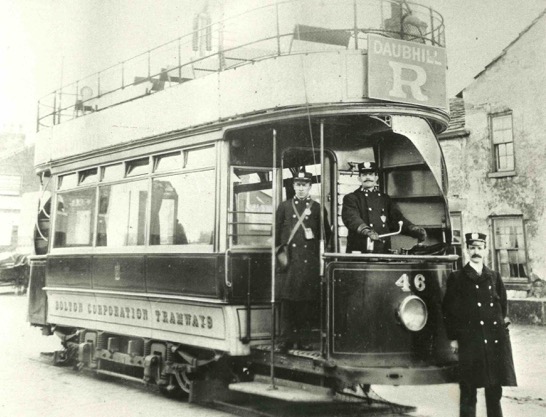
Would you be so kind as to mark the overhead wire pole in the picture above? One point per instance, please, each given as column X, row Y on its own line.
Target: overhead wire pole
column 273, row 259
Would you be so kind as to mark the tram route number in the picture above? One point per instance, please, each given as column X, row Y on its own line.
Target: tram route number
column 404, row 282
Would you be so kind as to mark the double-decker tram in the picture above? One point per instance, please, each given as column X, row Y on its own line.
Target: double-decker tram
column 156, row 244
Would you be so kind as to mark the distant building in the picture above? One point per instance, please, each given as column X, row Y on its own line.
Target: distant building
column 495, row 150
column 17, row 179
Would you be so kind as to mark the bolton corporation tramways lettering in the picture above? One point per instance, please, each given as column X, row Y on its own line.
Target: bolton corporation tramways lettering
column 187, row 319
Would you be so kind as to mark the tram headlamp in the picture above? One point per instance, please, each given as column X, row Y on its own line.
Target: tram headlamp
column 412, row 312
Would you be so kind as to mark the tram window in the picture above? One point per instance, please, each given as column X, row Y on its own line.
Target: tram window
column 252, row 207
column 88, row 176
column 112, row 172
column 200, row 158
column 178, row 217
column 122, row 214
column 74, row 222
column 169, row 162
column 137, row 167
column 67, row 181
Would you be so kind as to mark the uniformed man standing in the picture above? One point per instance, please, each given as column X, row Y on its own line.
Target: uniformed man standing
column 298, row 226
column 368, row 213
column 475, row 317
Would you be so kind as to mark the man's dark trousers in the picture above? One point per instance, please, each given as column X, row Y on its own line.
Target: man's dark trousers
column 493, row 396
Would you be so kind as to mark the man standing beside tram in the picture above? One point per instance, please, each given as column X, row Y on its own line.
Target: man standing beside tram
column 298, row 231
column 475, row 307
column 368, row 213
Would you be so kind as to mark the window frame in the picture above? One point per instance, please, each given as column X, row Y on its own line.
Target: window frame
column 122, row 177
column 496, row 170
column 495, row 250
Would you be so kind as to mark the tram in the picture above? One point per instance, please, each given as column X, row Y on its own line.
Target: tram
column 155, row 253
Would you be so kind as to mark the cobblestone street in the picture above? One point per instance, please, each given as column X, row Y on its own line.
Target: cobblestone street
column 30, row 387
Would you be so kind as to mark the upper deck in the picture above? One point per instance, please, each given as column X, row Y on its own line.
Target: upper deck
column 305, row 56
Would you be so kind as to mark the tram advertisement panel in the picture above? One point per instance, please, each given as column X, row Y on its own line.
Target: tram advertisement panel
column 407, row 72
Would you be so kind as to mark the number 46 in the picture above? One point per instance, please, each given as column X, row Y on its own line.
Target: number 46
column 404, row 282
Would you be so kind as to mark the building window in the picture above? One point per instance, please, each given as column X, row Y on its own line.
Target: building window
column 503, row 142
column 509, row 247
column 457, row 237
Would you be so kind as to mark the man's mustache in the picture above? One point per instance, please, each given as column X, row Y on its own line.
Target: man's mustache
column 476, row 256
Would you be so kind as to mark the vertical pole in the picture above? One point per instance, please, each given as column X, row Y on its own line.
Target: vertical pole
column 323, row 286
column 60, row 109
column 38, row 116
column 355, row 25
column 278, row 29
column 149, row 65
column 273, row 259
column 179, row 61
column 55, row 108
column 432, row 26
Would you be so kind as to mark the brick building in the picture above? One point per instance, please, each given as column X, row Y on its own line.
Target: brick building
column 495, row 150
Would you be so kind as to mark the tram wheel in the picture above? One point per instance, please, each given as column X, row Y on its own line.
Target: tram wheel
column 179, row 386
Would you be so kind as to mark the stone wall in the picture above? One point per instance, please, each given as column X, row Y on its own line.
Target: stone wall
column 515, row 82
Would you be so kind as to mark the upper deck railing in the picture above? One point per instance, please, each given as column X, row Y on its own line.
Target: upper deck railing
column 277, row 29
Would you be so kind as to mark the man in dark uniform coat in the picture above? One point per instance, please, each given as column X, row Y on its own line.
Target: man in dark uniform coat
column 300, row 287
column 368, row 213
column 475, row 317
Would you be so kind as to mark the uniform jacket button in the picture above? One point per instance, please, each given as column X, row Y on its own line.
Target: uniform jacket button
column 296, row 201
column 294, row 216
column 366, row 195
column 485, row 341
column 293, row 244
column 491, row 304
column 477, row 286
column 495, row 323
column 481, row 322
column 479, row 304
column 496, row 341
column 370, row 208
column 490, row 287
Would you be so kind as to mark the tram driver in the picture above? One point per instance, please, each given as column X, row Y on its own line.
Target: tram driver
column 298, row 227
column 369, row 213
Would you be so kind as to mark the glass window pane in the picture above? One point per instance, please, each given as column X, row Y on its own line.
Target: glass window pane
column 74, row 220
column 456, row 225
column 200, row 158
column 252, row 206
column 67, row 181
column 169, row 162
column 178, row 217
column 137, row 167
column 112, row 172
column 122, row 214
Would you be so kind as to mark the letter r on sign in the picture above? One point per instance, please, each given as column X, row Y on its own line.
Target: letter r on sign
column 414, row 84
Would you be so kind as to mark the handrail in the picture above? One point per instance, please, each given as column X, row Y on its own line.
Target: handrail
column 362, row 18
column 391, row 257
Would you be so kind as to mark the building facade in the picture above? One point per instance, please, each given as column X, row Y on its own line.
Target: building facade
column 495, row 150
column 17, row 182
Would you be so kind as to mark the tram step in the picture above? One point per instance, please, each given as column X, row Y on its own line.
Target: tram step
column 284, row 390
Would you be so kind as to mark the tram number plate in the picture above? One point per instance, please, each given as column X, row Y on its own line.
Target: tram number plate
column 404, row 282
